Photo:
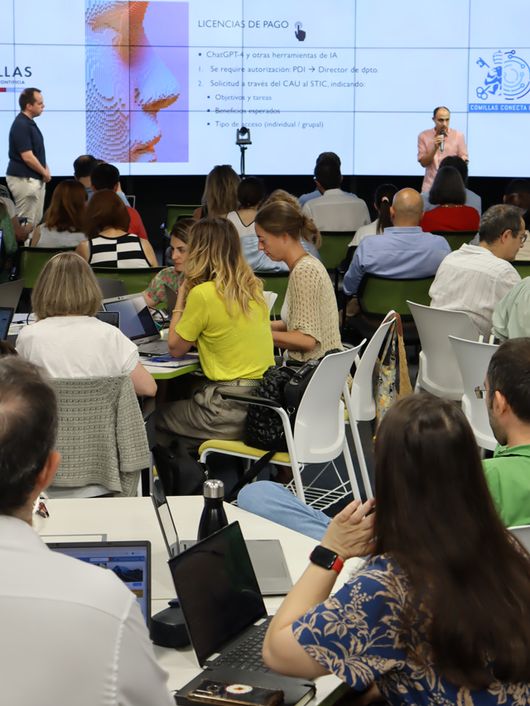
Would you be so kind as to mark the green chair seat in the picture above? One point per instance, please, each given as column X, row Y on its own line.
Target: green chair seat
column 456, row 238
column 522, row 267
column 174, row 211
column 378, row 295
column 334, row 248
column 275, row 282
column 32, row 260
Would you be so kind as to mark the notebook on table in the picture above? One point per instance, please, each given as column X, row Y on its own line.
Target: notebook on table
column 137, row 323
column 130, row 561
column 225, row 615
column 266, row 555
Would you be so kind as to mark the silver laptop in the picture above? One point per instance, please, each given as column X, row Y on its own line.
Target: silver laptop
column 137, row 323
column 266, row 555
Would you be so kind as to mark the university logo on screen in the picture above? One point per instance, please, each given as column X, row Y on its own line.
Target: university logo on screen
column 500, row 82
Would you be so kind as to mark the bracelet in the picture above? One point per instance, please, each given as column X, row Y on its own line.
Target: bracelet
column 180, row 311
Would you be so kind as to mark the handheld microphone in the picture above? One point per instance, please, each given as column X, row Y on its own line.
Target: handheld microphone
column 442, row 143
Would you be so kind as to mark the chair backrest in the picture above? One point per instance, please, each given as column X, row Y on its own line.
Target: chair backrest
column 522, row 267
column 32, row 260
column 135, row 279
column 439, row 373
column 377, row 295
column 522, row 532
column 361, row 402
column 334, row 247
column 174, row 211
column 473, row 359
column 456, row 238
column 10, row 293
column 270, row 299
column 111, row 287
column 275, row 282
column 319, row 426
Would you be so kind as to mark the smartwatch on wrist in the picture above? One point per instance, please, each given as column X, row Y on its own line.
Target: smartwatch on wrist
column 326, row 559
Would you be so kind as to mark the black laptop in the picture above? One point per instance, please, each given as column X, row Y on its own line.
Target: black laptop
column 226, row 617
column 6, row 316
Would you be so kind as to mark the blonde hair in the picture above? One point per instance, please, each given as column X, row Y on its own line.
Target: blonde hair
column 279, row 217
column 215, row 256
column 66, row 286
column 309, row 232
column 220, row 191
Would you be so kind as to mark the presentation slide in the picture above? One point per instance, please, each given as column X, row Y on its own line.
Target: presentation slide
column 159, row 87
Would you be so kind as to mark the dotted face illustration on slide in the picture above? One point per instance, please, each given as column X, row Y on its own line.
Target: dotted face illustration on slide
column 136, row 80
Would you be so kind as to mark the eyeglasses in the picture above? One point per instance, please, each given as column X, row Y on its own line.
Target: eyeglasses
column 524, row 237
column 480, row 392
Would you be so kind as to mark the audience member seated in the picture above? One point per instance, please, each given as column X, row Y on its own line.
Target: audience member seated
column 510, row 316
column 97, row 647
column 507, row 473
column 250, row 194
column 330, row 156
column 221, row 309
column 109, row 242
column 448, row 194
column 472, row 199
column 64, row 219
column 517, row 193
column 84, row 165
column 67, row 340
column 171, row 277
column 20, row 231
column 309, row 326
column 335, row 210
column 475, row 277
column 402, row 251
column 439, row 613
column 383, row 197
column 9, row 244
column 107, row 176
column 311, row 239
column 220, row 193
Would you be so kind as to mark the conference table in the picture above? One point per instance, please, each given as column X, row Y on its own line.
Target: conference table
column 91, row 519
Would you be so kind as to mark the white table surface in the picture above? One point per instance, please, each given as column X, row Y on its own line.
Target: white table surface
column 134, row 518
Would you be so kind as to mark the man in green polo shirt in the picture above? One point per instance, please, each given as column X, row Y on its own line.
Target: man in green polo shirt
column 508, row 402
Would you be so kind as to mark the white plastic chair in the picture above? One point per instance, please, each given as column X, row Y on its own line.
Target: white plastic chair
column 473, row 359
column 438, row 371
column 318, row 435
column 359, row 400
column 522, row 532
column 270, row 299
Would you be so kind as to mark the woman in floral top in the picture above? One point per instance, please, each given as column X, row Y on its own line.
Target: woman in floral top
column 171, row 277
column 440, row 612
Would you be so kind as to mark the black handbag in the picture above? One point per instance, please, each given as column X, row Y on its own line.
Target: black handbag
column 284, row 385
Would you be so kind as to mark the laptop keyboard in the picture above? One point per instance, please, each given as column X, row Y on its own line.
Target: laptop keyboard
column 246, row 654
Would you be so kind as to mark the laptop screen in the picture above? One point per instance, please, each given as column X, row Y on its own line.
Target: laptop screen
column 164, row 517
column 217, row 589
column 130, row 561
column 6, row 314
column 136, row 321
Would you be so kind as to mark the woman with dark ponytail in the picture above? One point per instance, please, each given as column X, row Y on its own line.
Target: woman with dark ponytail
column 309, row 326
column 382, row 201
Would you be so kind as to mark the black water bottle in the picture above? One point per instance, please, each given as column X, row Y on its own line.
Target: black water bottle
column 213, row 516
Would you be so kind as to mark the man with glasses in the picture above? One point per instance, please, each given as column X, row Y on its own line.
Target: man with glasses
column 475, row 278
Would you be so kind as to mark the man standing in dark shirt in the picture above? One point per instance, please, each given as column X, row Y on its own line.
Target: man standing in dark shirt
column 27, row 171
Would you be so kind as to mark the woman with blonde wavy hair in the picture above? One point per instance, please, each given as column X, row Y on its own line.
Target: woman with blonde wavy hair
column 220, row 309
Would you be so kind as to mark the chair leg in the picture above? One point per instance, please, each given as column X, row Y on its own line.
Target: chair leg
column 361, row 459
column 295, row 467
column 351, row 471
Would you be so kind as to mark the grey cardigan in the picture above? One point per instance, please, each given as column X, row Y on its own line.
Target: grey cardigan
column 101, row 435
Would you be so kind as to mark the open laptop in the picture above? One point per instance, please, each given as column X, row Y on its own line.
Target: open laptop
column 266, row 555
column 137, row 323
column 109, row 317
column 226, row 617
column 10, row 293
column 130, row 561
column 6, row 316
